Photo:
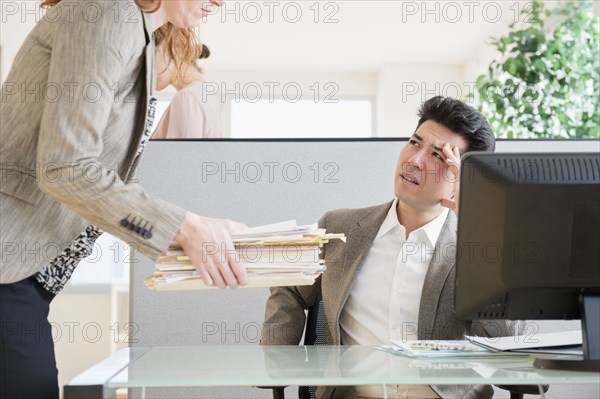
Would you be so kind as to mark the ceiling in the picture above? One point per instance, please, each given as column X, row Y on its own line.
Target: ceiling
column 351, row 35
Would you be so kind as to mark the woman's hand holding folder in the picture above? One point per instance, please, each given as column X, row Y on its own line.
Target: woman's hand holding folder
column 207, row 242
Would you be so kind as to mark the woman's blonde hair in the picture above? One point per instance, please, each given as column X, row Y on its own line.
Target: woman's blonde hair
column 182, row 47
column 181, row 43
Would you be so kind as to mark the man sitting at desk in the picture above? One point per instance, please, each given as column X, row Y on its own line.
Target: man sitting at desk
column 394, row 277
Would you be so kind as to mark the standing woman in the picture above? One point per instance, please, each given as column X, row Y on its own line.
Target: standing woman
column 76, row 112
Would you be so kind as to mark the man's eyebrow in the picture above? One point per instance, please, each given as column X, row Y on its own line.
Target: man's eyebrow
column 421, row 139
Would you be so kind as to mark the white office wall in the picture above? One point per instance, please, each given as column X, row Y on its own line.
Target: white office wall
column 402, row 88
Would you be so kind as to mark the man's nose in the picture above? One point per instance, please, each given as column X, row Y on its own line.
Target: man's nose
column 417, row 159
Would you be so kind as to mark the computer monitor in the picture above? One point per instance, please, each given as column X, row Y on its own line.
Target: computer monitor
column 529, row 242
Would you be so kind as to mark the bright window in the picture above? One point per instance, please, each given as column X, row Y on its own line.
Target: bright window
column 302, row 119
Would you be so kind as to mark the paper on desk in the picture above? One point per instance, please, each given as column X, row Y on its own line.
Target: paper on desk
column 531, row 341
column 439, row 348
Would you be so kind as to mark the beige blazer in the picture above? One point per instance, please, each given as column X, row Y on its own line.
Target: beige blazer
column 285, row 317
column 73, row 114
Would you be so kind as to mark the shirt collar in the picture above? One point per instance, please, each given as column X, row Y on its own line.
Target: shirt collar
column 390, row 221
column 432, row 229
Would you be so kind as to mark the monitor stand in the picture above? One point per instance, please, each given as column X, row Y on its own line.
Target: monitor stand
column 590, row 328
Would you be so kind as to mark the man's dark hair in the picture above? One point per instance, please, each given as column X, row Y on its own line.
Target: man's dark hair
column 462, row 119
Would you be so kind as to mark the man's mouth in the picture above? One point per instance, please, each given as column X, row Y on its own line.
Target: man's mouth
column 409, row 179
column 209, row 9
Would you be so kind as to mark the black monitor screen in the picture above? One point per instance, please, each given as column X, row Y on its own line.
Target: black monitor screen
column 528, row 235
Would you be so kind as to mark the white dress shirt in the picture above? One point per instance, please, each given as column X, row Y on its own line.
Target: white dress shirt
column 384, row 300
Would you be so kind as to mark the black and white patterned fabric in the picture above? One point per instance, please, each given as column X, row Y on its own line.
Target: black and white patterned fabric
column 149, row 123
column 56, row 275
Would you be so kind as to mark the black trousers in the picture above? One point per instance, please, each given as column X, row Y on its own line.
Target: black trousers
column 27, row 362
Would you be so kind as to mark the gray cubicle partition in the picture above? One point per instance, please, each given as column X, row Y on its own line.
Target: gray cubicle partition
column 257, row 182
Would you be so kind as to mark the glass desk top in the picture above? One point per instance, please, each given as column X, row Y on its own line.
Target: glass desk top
column 216, row 366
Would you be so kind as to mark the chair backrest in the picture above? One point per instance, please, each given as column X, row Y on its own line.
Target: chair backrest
column 315, row 333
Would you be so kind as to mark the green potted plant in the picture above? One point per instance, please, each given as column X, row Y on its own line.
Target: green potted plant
column 545, row 83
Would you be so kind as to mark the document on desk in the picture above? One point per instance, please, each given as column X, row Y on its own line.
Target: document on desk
column 446, row 349
column 438, row 348
column 565, row 343
column 276, row 255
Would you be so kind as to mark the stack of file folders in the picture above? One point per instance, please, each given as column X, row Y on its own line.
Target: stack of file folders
column 276, row 255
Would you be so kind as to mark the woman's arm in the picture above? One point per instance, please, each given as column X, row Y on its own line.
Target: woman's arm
column 95, row 54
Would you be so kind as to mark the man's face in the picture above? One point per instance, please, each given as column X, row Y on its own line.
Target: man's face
column 422, row 177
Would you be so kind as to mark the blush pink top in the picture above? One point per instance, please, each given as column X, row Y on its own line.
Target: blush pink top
column 192, row 114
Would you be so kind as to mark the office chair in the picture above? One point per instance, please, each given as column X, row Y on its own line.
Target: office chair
column 315, row 333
